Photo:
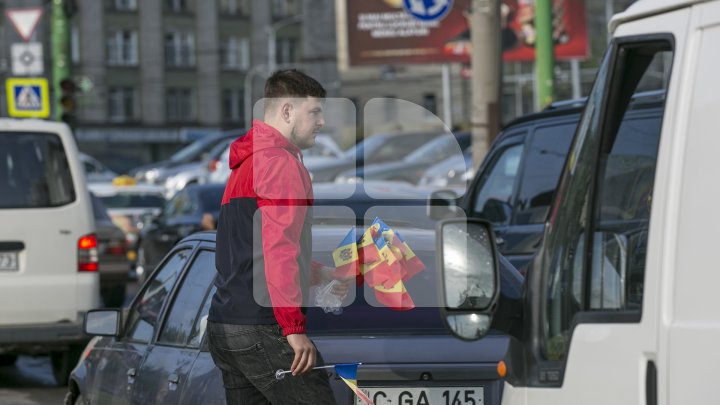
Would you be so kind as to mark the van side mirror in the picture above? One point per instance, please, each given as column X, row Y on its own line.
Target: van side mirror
column 102, row 322
column 469, row 276
column 443, row 204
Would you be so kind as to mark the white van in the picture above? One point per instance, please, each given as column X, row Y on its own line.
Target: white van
column 621, row 302
column 48, row 252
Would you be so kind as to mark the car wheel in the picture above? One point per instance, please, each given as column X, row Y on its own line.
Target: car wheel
column 64, row 362
column 7, row 360
column 114, row 297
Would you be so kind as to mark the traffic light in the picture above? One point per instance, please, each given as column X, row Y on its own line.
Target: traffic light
column 67, row 101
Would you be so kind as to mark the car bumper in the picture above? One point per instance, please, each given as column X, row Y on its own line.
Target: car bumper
column 41, row 338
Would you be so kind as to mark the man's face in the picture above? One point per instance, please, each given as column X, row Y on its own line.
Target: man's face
column 307, row 122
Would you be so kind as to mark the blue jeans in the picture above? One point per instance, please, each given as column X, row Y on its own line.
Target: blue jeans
column 249, row 356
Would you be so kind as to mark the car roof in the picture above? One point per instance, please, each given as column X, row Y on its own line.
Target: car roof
column 647, row 8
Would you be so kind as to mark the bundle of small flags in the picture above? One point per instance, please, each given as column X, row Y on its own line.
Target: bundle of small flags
column 383, row 259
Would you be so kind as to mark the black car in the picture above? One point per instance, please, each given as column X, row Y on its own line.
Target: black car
column 196, row 152
column 516, row 182
column 410, row 168
column 194, row 208
column 377, row 148
column 155, row 351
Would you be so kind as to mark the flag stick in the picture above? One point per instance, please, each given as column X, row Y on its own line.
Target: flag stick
column 280, row 374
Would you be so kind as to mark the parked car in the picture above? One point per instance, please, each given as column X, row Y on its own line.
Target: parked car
column 196, row 152
column 194, row 208
column 374, row 149
column 128, row 203
column 156, row 351
column 196, row 172
column 95, row 171
column 409, row 168
column 112, row 256
column 455, row 171
column 516, row 182
column 48, row 247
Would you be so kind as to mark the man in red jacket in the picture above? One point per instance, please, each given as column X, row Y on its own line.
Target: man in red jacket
column 256, row 323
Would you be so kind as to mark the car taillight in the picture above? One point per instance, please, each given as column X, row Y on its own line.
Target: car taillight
column 118, row 248
column 87, row 253
column 213, row 165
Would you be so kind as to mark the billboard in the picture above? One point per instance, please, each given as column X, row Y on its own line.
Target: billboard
column 382, row 32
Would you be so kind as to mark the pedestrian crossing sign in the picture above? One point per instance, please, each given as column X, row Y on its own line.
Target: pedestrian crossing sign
column 27, row 98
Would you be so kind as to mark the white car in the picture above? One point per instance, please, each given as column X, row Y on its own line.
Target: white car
column 48, row 251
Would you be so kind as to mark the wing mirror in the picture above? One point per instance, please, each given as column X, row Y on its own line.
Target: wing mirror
column 469, row 276
column 102, row 322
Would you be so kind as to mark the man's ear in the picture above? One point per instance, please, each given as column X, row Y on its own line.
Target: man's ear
column 286, row 111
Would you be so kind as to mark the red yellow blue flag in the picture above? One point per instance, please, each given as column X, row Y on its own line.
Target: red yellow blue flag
column 346, row 256
column 348, row 373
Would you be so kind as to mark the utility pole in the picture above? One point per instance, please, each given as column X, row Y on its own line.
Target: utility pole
column 60, row 43
column 485, row 66
column 544, row 47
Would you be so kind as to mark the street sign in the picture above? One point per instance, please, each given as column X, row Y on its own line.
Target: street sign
column 27, row 59
column 28, row 98
column 428, row 10
column 25, row 20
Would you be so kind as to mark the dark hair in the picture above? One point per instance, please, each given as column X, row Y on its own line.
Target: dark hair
column 292, row 83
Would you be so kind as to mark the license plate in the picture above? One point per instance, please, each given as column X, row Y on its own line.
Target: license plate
column 8, row 261
column 428, row 395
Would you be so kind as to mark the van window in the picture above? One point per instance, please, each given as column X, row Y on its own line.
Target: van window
column 34, row 171
column 595, row 253
column 544, row 160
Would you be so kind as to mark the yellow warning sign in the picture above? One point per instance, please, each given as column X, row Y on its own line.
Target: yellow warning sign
column 28, row 98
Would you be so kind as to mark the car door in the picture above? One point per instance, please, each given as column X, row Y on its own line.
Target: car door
column 542, row 162
column 170, row 358
column 595, row 283
column 115, row 375
column 491, row 195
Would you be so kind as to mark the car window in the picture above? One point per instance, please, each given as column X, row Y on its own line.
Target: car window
column 143, row 316
column 438, row 149
column 544, row 161
column 198, row 330
column 397, row 147
column 180, row 204
column 34, row 171
column 127, row 200
column 492, row 201
column 90, row 168
column 187, row 304
column 99, row 210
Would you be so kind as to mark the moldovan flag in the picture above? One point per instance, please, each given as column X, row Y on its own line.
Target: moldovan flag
column 346, row 256
column 413, row 264
column 366, row 248
column 348, row 373
column 381, row 273
column 396, row 298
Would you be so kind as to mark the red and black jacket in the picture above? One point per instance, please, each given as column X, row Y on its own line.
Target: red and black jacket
column 264, row 242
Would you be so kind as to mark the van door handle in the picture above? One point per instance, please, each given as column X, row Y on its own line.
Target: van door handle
column 173, row 378
column 651, row 383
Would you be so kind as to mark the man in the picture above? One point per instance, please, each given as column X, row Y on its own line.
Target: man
column 256, row 323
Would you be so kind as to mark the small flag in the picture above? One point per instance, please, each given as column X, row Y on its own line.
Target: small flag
column 366, row 247
column 396, row 297
column 348, row 373
column 346, row 256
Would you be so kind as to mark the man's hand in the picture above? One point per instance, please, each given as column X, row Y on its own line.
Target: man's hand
column 341, row 290
column 305, row 353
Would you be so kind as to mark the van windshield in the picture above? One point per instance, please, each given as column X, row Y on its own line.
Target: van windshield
column 34, row 171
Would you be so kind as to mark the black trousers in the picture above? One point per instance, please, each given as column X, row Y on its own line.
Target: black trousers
column 249, row 356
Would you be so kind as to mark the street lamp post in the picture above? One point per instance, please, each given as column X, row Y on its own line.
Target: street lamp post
column 271, row 31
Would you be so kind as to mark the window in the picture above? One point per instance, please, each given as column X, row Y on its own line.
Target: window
column 75, row 44
column 121, row 104
column 493, row 200
column 185, row 315
column 144, row 314
column 544, row 161
column 179, row 6
column 236, row 53
column 180, row 105
column 122, row 48
column 234, row 106
column 235, row 7
column 286, row 51
column 430, row 104
column 34, row 171
column 180, row 204
column 284, row 8
column 125, row 5
column 179, row 49
column 596, row 252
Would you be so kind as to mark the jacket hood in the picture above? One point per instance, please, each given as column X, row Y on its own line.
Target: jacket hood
column 261, row 136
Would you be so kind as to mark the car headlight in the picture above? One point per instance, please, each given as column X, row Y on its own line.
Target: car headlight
column 152, row 175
